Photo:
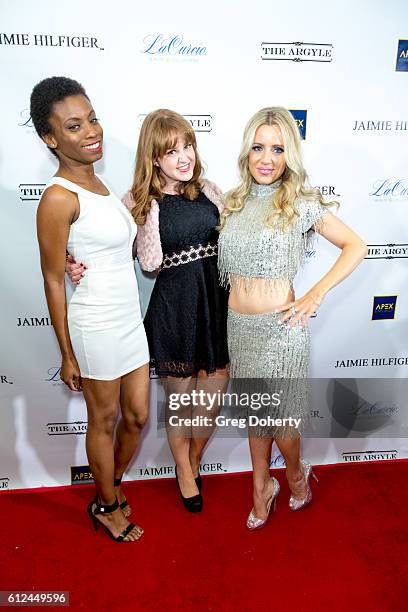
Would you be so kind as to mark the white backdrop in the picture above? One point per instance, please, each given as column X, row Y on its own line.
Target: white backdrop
column 217, row 62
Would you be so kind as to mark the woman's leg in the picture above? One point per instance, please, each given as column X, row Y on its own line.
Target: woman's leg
column 261, row 448
column 134, row 403
column 179, row 437
column 290, row 451
column 214, row 384
column 102, row 401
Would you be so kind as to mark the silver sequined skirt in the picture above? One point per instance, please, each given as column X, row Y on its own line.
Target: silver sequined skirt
column 271, row 358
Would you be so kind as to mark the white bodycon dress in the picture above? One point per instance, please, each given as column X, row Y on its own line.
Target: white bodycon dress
column 104, row 318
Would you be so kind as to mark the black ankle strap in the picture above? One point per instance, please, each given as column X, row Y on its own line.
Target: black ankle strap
column 117, row 481
column 106, row 509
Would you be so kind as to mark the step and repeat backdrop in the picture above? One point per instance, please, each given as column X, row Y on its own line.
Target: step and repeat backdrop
column 342, row 69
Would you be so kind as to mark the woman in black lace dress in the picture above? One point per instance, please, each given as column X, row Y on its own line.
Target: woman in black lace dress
column 177, row 213
column 185, row 320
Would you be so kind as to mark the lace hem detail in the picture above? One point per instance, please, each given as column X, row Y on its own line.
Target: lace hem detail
column 181, row 369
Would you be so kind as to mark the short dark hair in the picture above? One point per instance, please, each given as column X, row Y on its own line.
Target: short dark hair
column 45, row 94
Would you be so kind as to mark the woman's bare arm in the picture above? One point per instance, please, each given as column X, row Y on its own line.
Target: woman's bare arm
column 353, row 251
column 56, row 211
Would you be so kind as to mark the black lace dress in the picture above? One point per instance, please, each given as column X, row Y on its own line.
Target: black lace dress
column 186, row 321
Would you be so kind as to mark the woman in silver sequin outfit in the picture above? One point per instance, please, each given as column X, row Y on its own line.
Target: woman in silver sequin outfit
column 265, row 228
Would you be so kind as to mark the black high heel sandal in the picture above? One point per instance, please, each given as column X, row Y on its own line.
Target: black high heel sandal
column 192, row 504
column 95, row 508
column 116, row 483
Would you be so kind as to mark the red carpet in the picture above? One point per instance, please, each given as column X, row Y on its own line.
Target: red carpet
column 347, row 551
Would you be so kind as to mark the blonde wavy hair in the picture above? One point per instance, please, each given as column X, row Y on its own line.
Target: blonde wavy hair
column 160, row 131
column 294, row 178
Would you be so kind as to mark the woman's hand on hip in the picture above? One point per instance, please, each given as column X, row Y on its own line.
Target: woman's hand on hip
column 300, row 311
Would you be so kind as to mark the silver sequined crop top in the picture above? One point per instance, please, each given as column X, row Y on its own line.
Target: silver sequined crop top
column 247, row 248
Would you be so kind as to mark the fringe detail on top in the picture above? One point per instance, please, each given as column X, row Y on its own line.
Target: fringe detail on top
column 250, row 284
column 249, row 251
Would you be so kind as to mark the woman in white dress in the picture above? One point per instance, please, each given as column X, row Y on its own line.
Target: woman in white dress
column 100, row 332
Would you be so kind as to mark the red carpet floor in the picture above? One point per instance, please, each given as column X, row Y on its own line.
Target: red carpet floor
column 347, row 551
